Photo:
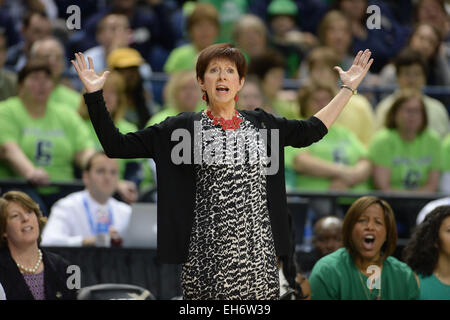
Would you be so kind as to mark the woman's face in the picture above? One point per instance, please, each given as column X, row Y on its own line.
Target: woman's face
column 369, row 233
column 250, row 97
column 187, row 95
column 425, row 41
column 22, row 227
column 221, row 82
column 338, row 36
column 322, row 73
column 252, row 40
column 37, row 87
column 444, row 237
column 409, row 116
column 203, row 33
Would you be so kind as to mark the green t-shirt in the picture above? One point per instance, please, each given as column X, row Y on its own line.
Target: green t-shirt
column 181, row 58
column 410, row 162
column 65, row 96
column 339, row 145
column 433, row 289
column 446, row 154
column 336, row 277
column 50, row 142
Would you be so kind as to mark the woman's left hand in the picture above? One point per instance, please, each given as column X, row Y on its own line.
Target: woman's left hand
column 353, row 76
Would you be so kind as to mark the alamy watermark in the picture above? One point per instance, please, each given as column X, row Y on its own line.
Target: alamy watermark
column 374, row 20
column 227, row 148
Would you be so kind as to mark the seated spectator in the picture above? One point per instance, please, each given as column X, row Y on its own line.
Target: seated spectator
column 8, row 79
column 181, row 94
column 26, row 271
column 434, row 12
column 113, row 32
column 357, row 115
column 269, row 68
column 444, row 184
column 129, row 169
column 127, row 62
column 35, row 26
column 338, row 162
column 51, row 51
column 40, row 140
column 251, row 95
column 411, row 73
column 385, row 40
column 286, row 37
column 326, row 240
column 250, row 36
column 334, row 32
column 406, row 155
column 350, row 273
column 152, row 31
column 425, row 39
column 74, row 218
column 428, row 252
column 203, row 28
column 231, row 12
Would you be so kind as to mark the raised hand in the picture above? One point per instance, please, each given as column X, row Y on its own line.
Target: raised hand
column 353, row 76
column 92, row 82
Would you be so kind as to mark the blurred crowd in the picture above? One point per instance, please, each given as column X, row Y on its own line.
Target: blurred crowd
column 393, row 136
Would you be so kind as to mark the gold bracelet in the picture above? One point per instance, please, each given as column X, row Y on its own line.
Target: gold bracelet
column 354, row 91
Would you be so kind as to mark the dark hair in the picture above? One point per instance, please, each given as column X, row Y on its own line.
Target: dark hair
column 220, row 51
column 261, row 64
column 352, row 216
column 34, row 65
column 422, row 251
column 403, row 97
column 408, row 57
column 25, row 201
column 89, row 162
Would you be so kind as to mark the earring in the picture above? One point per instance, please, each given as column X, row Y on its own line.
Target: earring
column 236, row 98
column 204, row 97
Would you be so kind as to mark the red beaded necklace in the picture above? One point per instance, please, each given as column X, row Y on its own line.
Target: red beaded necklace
column 232, row 124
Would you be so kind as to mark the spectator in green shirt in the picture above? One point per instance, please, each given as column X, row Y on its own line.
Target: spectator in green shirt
column 40, row 140
column 428, row 254
column 406, row 155
column 203, row 28
column 364, row 268
column 51, row 50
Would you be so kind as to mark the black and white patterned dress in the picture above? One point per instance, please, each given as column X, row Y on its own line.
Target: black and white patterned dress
column 231, row 249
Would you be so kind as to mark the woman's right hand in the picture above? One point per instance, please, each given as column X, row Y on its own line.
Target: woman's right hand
column 92, row 82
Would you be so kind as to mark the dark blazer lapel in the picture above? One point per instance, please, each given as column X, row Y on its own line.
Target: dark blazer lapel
column 12, row 280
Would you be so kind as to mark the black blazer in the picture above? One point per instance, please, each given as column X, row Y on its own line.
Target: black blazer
column 55, row 278
column 176, row 182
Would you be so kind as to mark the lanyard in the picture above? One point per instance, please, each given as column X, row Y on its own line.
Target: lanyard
column 89, row 216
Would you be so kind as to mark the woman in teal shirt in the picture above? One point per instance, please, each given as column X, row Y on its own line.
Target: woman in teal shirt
column 364, row 268
column 428, row 254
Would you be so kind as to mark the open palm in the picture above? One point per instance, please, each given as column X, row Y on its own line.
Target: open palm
column 353, row 76
column 92, row 82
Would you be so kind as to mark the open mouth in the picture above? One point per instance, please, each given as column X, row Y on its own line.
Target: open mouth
column 369, row 242
column 27, row 229
column 222, row 89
